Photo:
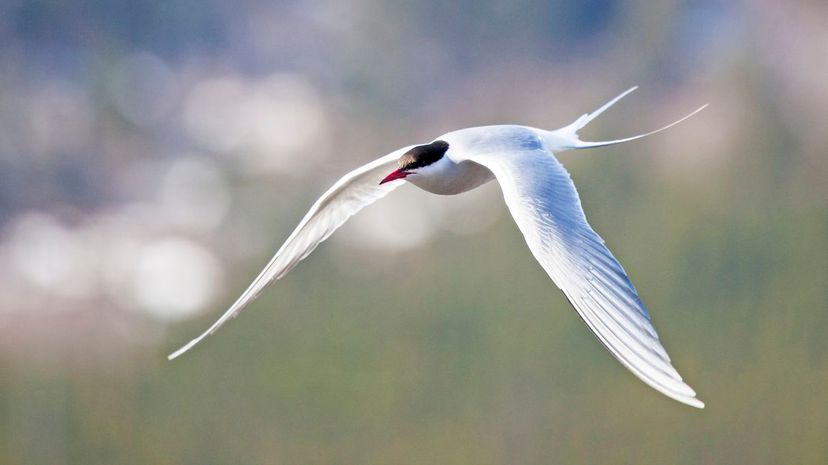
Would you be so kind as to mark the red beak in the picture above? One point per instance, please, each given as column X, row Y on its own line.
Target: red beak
column 397, row 174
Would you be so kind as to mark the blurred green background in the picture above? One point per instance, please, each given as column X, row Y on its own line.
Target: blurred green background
column 153, row 155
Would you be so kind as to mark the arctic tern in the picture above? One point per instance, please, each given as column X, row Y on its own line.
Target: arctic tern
column 544, row 203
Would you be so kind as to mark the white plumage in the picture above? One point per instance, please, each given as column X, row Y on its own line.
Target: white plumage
column 545, row 205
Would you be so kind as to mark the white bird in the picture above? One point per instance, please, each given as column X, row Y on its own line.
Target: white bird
column 545, row 205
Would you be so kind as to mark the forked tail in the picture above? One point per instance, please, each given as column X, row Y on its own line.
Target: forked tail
column 566, row 138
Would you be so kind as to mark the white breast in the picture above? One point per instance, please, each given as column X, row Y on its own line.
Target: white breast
column 447, row 177
column 455, row 174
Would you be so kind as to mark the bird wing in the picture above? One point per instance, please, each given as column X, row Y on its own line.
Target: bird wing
column 352, row 193
column 545, row 205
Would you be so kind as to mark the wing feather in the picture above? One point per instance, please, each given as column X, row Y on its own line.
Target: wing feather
column 352, row 193
column 545, row 205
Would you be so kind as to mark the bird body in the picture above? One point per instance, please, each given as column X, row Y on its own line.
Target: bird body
column 546, row 208
column 454, row 173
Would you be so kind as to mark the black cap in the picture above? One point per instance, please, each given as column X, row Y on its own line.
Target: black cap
column 423, row 155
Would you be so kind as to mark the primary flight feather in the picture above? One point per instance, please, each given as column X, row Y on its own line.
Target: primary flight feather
column 544, row 203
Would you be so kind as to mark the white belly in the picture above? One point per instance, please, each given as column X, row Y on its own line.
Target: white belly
column 454, row 174
column 452, row 178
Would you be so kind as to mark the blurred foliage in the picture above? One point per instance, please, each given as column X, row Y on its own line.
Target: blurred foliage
column 459, row 351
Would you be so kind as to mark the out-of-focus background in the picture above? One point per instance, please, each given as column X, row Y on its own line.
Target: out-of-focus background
column 153, row 155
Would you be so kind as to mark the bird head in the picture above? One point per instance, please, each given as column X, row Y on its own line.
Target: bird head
column 416, row 159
